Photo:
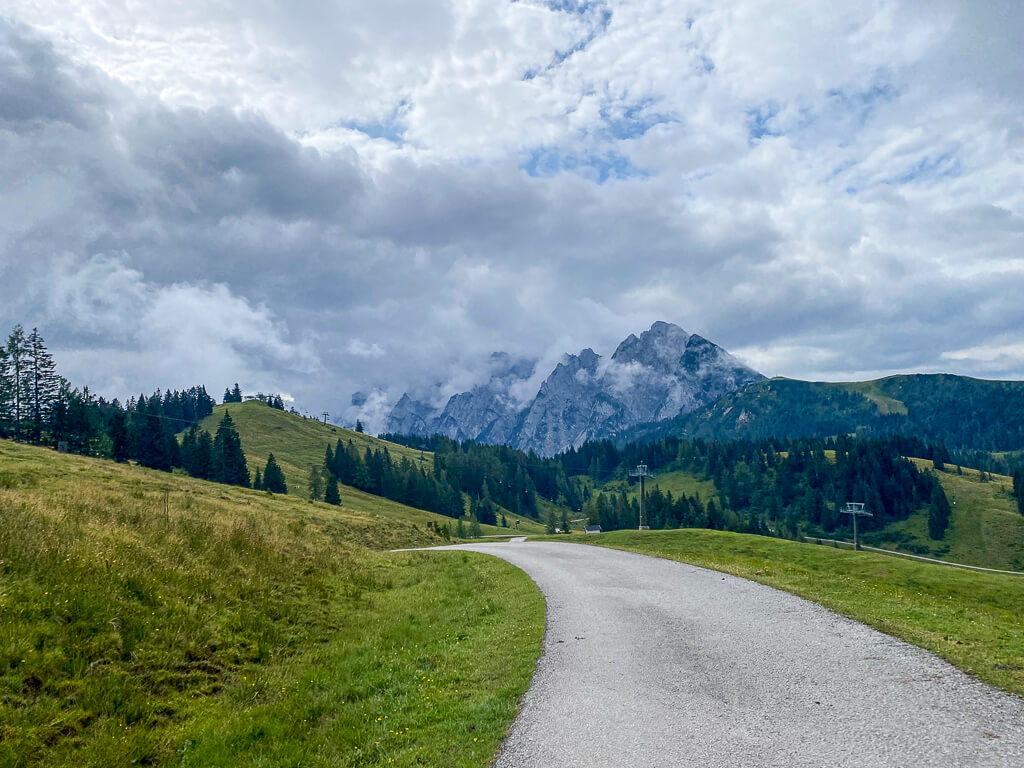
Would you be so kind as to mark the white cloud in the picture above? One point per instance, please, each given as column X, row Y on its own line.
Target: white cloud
column 824, row 189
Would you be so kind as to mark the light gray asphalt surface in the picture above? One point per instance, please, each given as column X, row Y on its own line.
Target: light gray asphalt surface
column 650, row 663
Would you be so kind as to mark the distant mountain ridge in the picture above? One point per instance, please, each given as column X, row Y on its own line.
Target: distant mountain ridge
column 957, row 411
column 659, row 374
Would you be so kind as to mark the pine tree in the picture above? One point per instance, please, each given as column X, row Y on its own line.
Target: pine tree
column 474, row 529
column 316, row 483
column 938, row 513
column 228, row 458
column 257, row 483
column 6, row 392
column 273, row 477
column 331, row 494
column 565, row 521
column 551, row 525
column 17, row 362
column 359, row 426
column 460, row 529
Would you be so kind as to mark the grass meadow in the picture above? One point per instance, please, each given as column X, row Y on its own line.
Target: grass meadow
column 153, row 619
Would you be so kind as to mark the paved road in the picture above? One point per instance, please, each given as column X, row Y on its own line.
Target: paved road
column 651, row 663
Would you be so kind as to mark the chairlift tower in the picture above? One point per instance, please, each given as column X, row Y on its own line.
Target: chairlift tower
column 855, row 509
column 642, row 473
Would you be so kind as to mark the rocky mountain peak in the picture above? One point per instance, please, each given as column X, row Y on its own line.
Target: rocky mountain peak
column 659, row 348
column 654, row 376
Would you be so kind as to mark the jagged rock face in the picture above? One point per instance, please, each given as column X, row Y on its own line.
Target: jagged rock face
column 410, row 417
column 570, row 408
column 658, row 375
column 488, row 412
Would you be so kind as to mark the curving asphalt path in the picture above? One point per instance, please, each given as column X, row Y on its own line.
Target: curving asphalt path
column 651, row 663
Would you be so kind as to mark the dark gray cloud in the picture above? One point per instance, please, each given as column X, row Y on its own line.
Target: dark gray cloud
column 327, row 208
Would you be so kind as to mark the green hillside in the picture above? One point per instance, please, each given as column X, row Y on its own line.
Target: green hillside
column 957, row 411
column 985, row 528
column 297, row 442
column 676, row 483
column 149, row 618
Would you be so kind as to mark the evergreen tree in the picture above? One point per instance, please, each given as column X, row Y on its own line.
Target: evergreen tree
column 565, row 521
column 938, row 513
column 121, row 448
column 359, row 426
column 460, row 529
column 257, row 482
column 316, row 483
column 6, row 392
column 228, row 459
column 17, row 364
column 551, row 524
column 273, row 477
column 1018, row 490
column 331, row 494
column 474, row 529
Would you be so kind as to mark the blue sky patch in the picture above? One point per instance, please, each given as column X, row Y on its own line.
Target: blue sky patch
column 632, row 120
column 759, row 122
column 930, row 168
column 545, row 162
column 391, row 128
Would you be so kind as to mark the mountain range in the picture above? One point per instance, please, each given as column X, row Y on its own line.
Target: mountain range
column 660, row 374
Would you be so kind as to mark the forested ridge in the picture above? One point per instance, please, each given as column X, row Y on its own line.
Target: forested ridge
column 780, row 487
column 959, row 412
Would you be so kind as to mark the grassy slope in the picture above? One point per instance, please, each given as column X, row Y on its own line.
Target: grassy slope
column 985, row 530
column 871, row 390
column 971, row 619
column 297, row 443
column 678, row 482
column 240, row 628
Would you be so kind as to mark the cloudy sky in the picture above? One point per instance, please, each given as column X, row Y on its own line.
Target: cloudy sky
column 324, row 198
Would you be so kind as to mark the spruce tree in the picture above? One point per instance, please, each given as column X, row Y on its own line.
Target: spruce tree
column 474, row 529
column 257, row 483
column 273, row 477
column 228, row 458
column 17, row 363
column 331, row 494
column 551, row 525
column 359, row 426
column 565, row 521
column 938, row 513
column 316, row 483
column 6, row 392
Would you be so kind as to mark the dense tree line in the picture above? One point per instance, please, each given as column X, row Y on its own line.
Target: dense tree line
column 39, row 406
column 375, row 471
column 786, row 488
column 500, row 476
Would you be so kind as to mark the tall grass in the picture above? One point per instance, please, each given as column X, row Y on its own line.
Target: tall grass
column 150, row 619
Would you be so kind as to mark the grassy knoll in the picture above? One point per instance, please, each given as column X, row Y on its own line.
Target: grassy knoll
column 297, row 442
column 985, row 528
column 677, row 483
column 971, row 619
column 238, row 628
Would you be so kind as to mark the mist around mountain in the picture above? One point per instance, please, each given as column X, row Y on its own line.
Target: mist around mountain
column 657, row 375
